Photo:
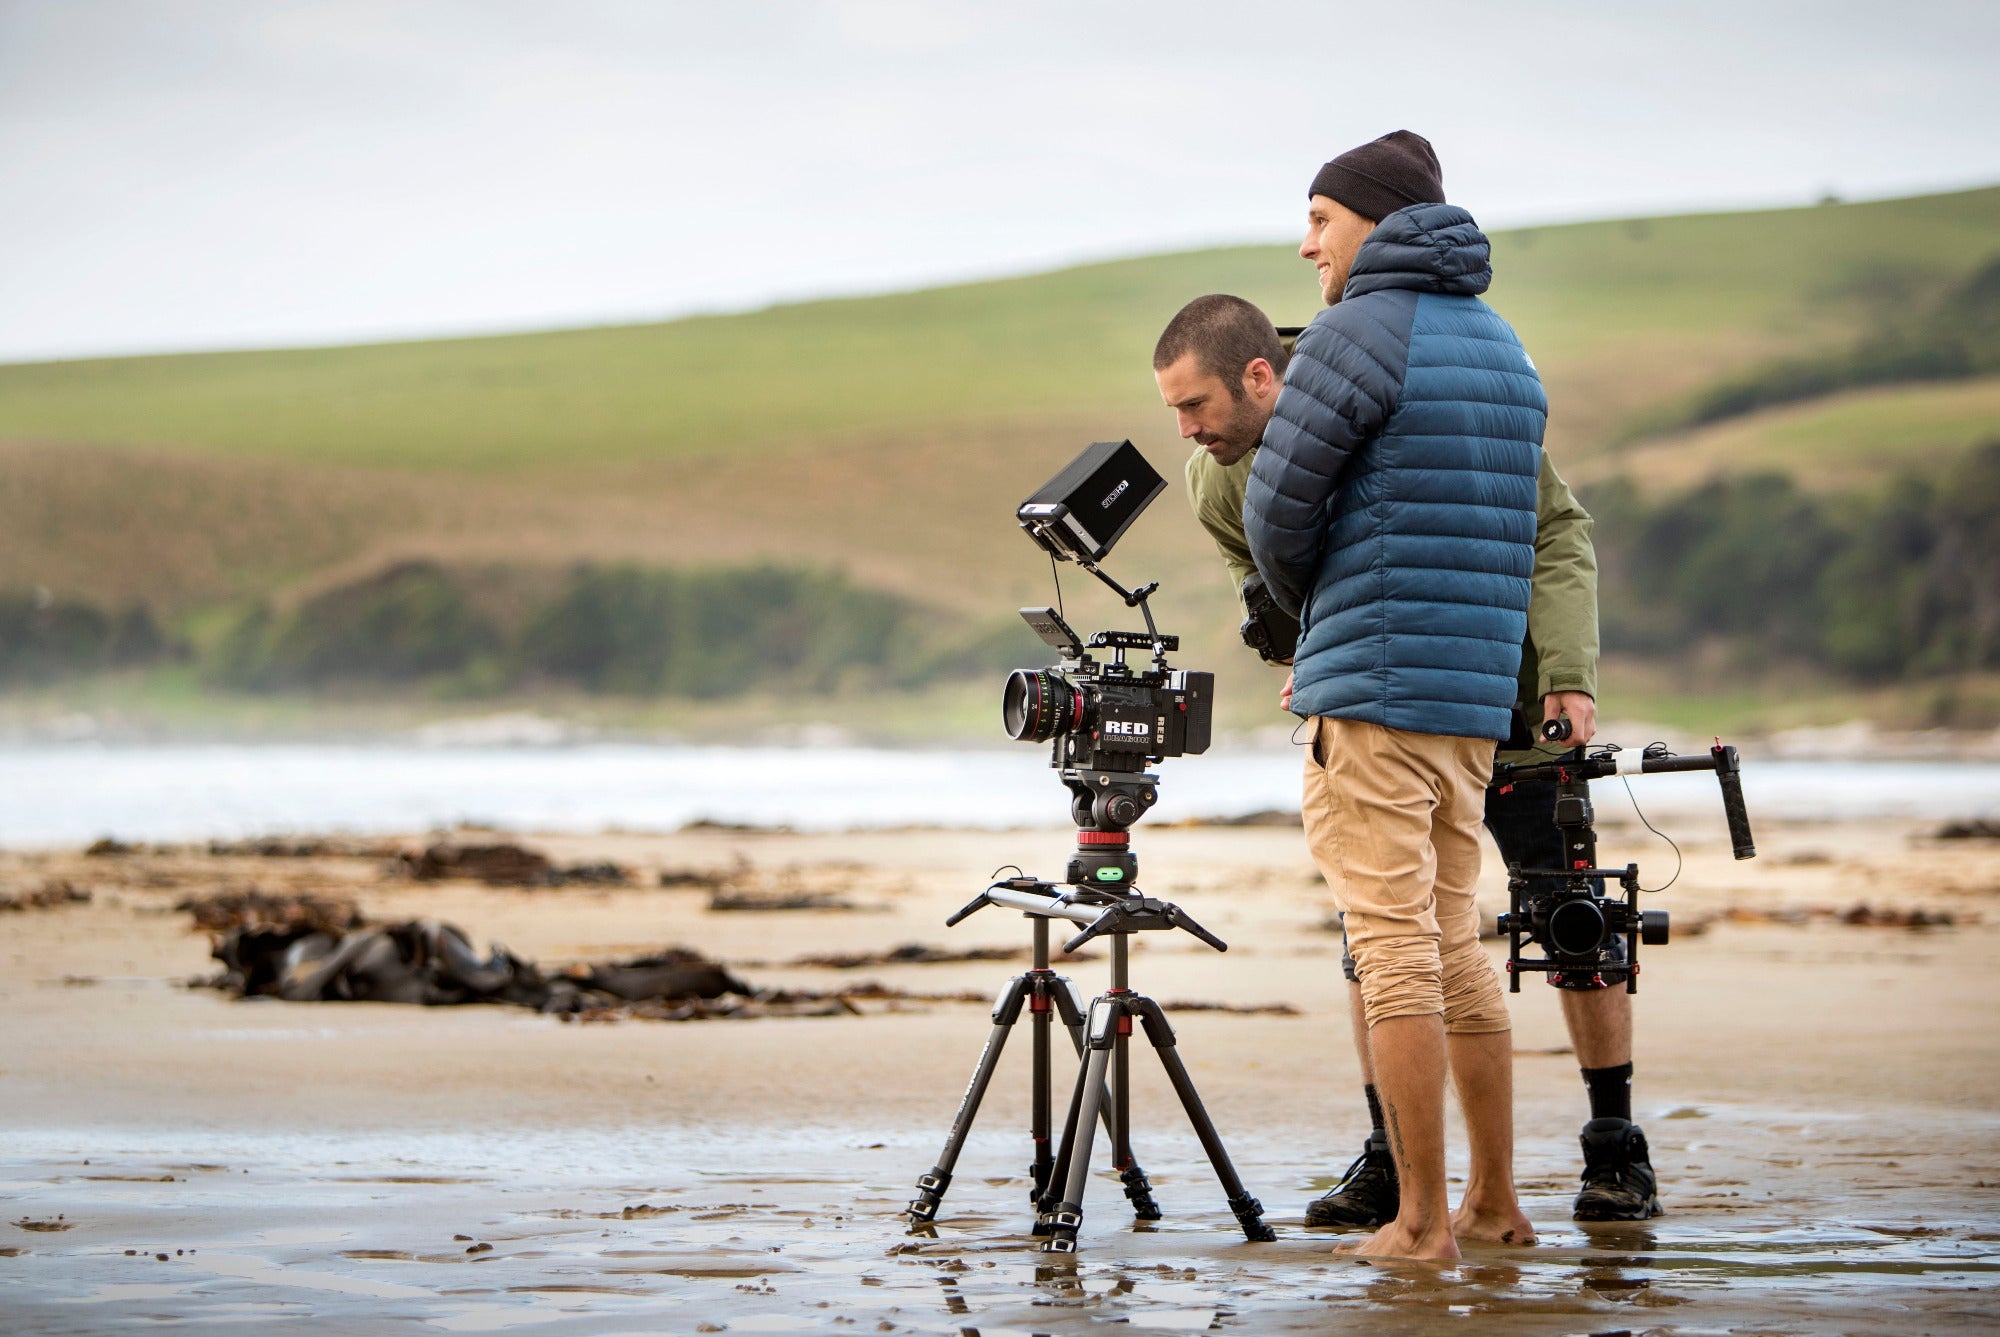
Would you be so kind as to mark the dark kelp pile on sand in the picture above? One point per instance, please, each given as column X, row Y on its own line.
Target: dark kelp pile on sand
column 306, row 949
column 504, row 864
column 49, row 896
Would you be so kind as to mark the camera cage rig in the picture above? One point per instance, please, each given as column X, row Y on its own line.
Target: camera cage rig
column 1566, row 910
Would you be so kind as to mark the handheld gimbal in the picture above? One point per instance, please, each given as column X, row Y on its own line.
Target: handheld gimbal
column 1565, row 910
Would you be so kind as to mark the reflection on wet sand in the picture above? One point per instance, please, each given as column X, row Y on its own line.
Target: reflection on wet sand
column 724, row 1233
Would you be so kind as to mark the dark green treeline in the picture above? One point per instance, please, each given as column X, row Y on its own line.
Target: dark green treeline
column 1901, row 583
column 1898, row 583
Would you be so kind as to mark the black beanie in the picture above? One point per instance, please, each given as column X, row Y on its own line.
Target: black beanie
column 1383, row 175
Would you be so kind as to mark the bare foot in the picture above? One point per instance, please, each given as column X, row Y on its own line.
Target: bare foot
column 1397, row 1240
column 1504, row 1226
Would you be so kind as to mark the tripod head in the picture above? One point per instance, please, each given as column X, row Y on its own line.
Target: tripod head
column 1100, row 888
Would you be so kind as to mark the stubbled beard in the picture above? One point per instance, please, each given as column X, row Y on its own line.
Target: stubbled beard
column 1241, row 433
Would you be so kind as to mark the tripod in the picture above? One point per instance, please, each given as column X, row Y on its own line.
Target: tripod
column 1103, row 1085
column 1045, row 995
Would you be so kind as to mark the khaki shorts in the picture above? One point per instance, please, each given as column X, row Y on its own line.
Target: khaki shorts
column 1393, row 820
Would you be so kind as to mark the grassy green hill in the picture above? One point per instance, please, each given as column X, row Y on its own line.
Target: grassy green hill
column 1618, row 314
column 890, row 436
column 1856, row 439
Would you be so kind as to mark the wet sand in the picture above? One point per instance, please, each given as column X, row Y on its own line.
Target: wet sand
column 1821, row 1100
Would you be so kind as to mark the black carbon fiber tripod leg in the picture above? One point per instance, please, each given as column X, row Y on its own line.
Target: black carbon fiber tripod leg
column 1049, row 1184
column 1045, row 1206
column 1138, row 1189
column 1040, row 1098
column 1061, row 1221
column 931, row 1187
column 1248, row 1211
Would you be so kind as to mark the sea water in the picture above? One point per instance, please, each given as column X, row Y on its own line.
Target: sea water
column 66, row 793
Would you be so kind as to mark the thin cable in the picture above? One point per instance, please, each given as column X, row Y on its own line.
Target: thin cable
column 1679, row 861
column 1056, row 576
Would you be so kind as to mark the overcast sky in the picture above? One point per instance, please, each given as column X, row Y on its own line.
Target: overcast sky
column 180, row 174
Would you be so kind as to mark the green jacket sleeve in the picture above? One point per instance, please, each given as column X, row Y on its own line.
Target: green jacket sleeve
column 1215, row 492
column 1561, row 653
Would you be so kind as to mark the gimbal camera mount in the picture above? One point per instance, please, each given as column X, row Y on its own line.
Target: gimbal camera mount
column 1564, row 910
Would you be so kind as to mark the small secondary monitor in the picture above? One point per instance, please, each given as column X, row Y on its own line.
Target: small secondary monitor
column 1081, row 512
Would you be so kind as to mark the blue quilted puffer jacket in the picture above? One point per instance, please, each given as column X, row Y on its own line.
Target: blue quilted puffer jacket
column 1392, row 505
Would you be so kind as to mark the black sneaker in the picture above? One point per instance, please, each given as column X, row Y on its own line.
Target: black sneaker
column 1618, row 1183
column 1367, row 1195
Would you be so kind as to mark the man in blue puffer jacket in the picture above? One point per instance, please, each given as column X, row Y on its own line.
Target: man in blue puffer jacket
column 1392, row 510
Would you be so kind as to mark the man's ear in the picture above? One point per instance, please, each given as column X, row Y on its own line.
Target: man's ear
column 1258, row 378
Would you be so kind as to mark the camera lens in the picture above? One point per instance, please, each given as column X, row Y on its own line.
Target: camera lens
column 1576, row 928
column 1038, row 704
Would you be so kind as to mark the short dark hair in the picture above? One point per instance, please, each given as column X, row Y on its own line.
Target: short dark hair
column 1226, row 334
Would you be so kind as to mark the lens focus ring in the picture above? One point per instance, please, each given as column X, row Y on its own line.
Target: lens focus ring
column 1037, row 704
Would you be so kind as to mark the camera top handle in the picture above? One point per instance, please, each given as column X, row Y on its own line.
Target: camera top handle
column 1577, row 765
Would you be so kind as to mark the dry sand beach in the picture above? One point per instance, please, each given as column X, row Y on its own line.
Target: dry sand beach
column 1821, row 1098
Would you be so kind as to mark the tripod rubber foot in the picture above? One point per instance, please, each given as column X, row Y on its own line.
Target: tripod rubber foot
column 1250, row 1215
column 930, row 1196
column 1060, row 1226
column 1140, row 1190
column 1046, row 1207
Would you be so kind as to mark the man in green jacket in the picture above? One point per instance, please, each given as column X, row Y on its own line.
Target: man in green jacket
column 1219, row 365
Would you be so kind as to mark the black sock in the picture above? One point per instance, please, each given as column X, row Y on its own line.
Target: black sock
column 1375, row 1110
column 1610, row 1091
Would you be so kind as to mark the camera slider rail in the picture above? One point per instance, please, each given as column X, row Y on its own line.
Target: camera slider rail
column 1100, row 912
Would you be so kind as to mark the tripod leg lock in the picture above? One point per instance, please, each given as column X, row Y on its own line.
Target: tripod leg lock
column 1140, row 1190
column 930, row 1191
column 1104, row 1015
column 1061, row 1227
column 1250, row 1215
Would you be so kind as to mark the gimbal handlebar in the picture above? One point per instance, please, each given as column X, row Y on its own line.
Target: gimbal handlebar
column 1578, row 765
